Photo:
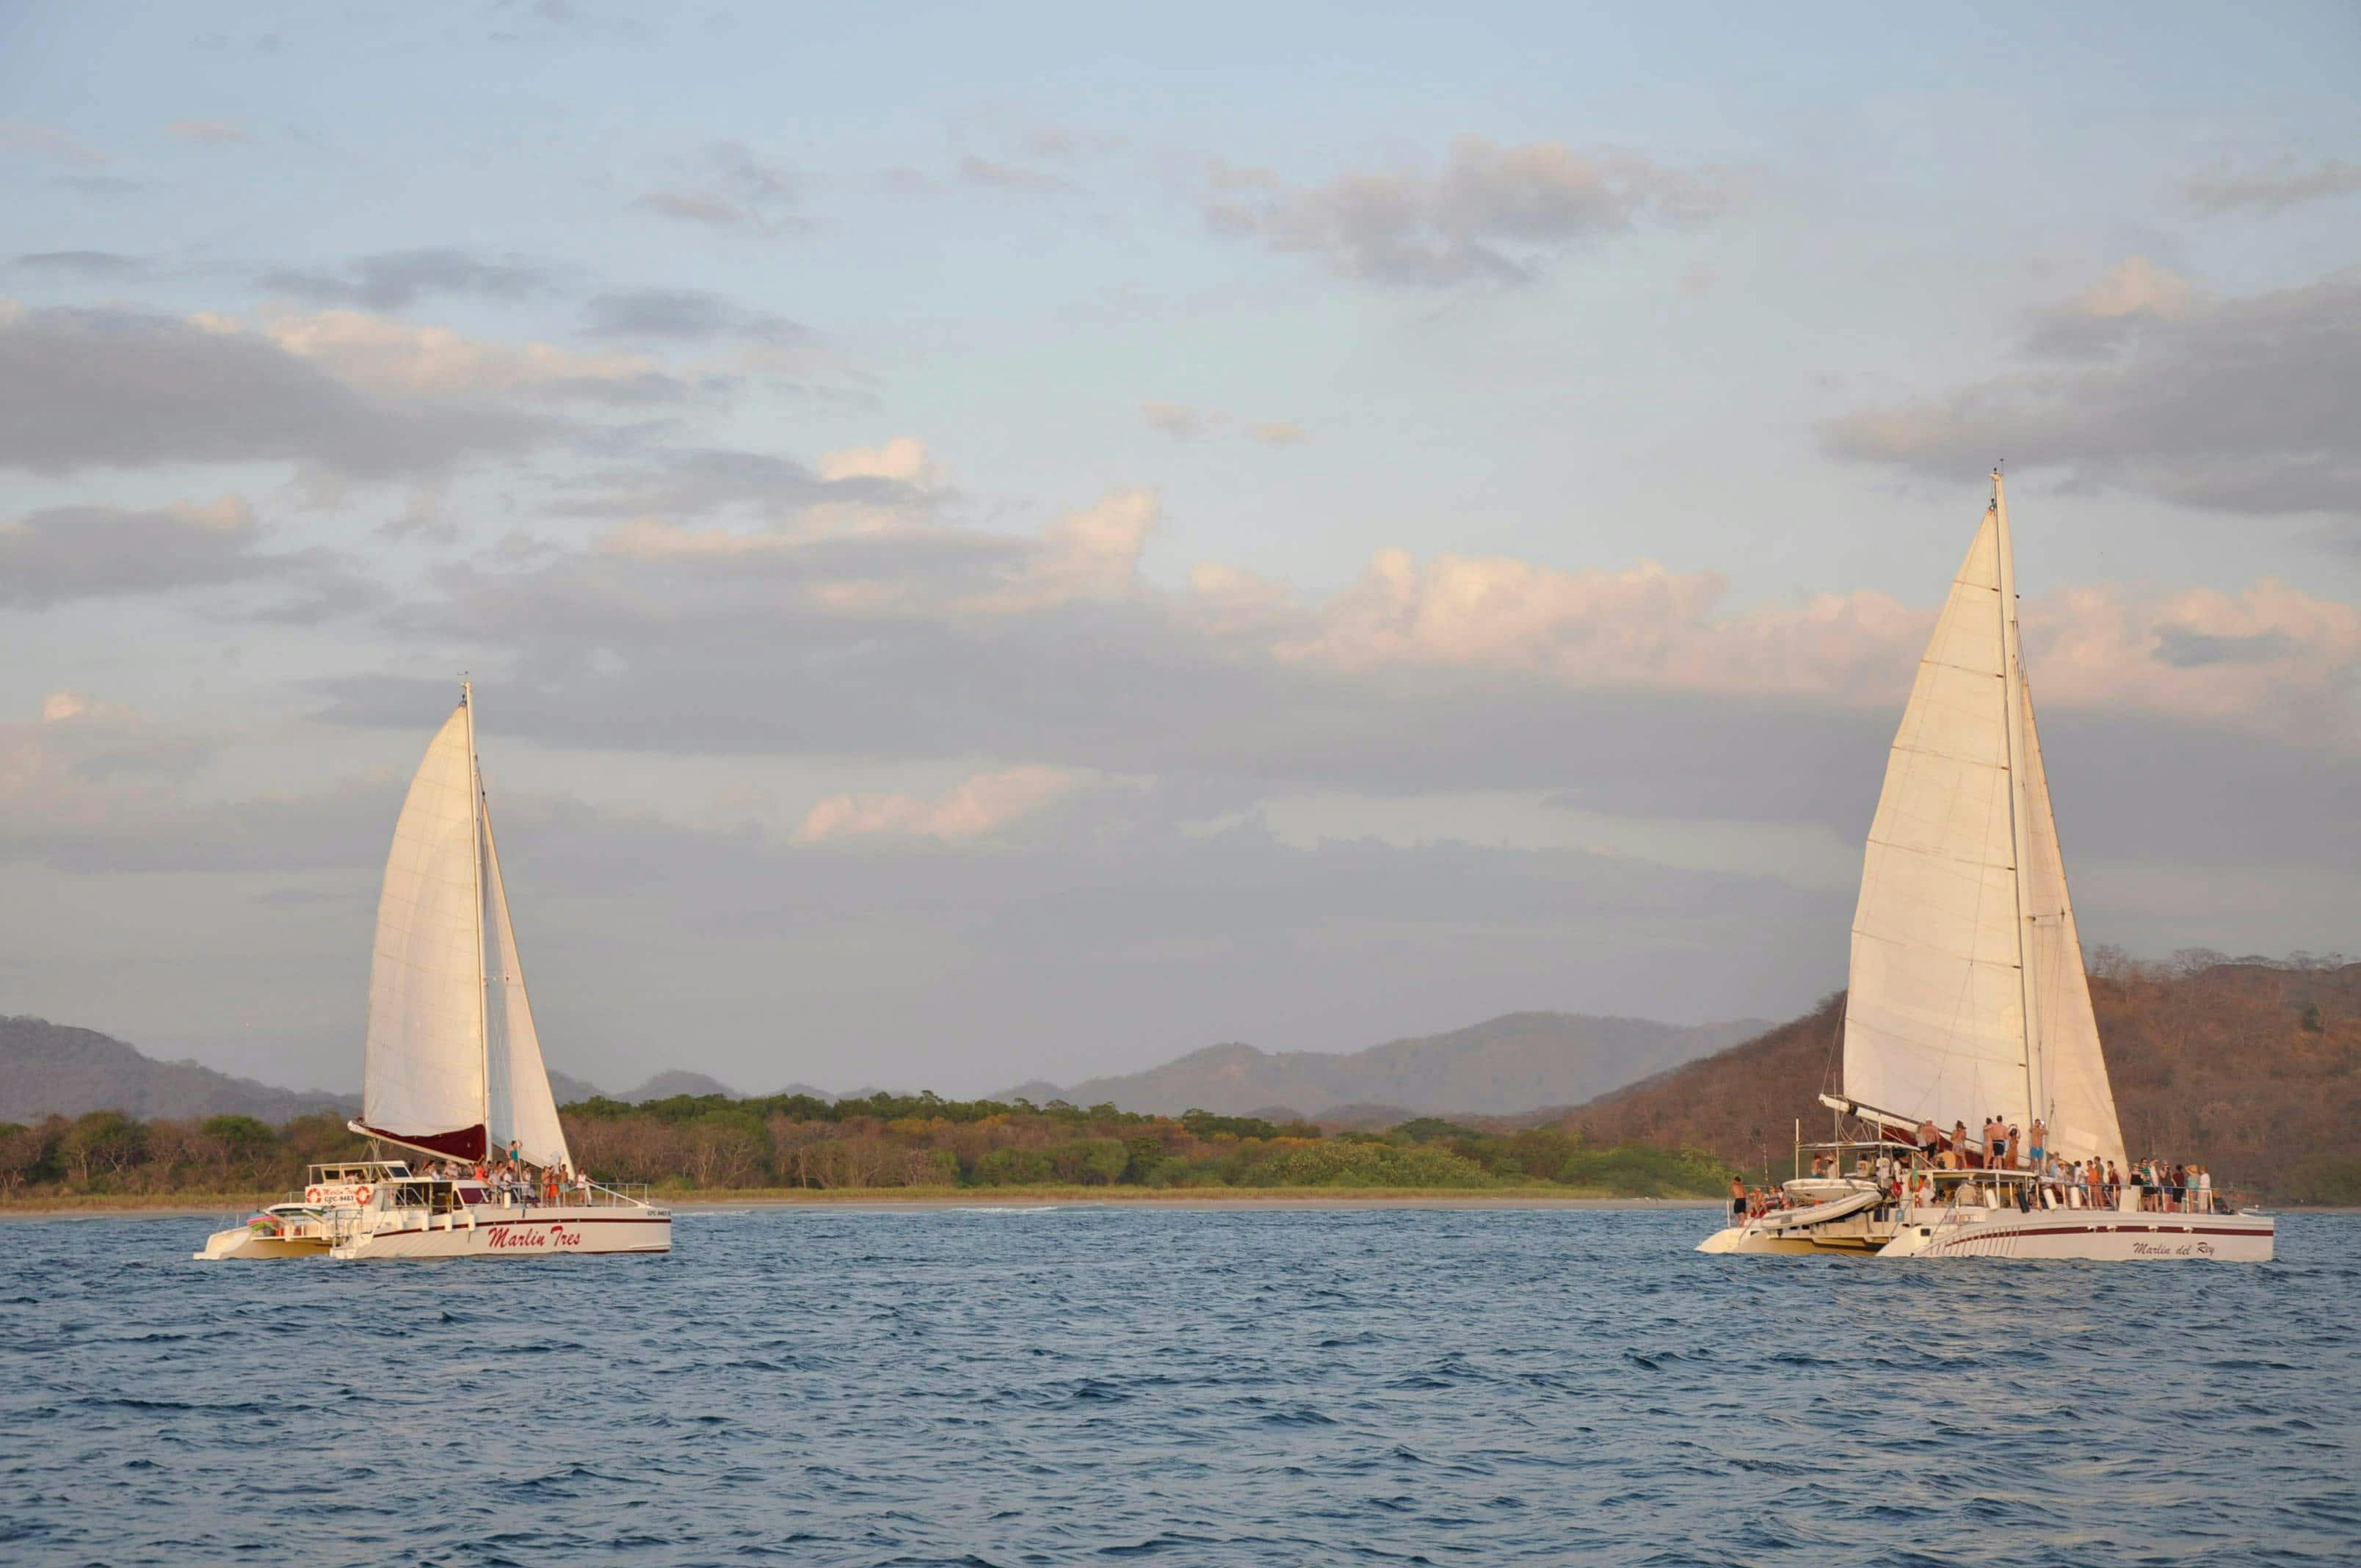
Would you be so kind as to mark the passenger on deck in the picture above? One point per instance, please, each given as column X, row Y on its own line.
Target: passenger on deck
column 1929, row 1140
column 2037, row 1141
column 2205, row 1191
column 1737, row 1201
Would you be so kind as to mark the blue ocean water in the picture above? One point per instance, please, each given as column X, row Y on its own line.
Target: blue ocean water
column 1081, row 1385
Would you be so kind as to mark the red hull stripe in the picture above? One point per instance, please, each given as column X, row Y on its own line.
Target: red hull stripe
column 467, row 1143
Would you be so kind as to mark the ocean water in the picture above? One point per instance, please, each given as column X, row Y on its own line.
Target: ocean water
column 1087, row 1385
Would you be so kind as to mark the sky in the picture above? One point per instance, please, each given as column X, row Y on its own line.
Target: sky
column 1020, row 541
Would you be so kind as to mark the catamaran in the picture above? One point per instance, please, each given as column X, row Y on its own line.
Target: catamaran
column 1967, row 992
column 452, row 1073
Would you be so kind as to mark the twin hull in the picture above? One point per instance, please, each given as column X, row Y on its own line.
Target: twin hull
column 491, row 1232
column 2099, row 1235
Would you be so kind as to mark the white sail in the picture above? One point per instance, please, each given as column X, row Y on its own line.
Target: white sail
column 422, row 1070
column 521, row 1106
column 2081, row 1108
column 1935, row 1020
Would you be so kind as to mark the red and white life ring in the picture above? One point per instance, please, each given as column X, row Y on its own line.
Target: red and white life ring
column 361, row 1195
column 310, row 1195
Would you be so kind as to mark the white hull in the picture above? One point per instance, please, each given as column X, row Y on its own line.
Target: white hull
column 2100, row 1235
column 469, row 1233
column 2096, row 1235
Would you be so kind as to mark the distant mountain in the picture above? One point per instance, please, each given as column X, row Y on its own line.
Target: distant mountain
column 49, row 1067
column 665, row 1085
column 1511, row 1063
column 566, row 1089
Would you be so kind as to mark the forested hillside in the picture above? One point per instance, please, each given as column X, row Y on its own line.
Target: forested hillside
column 2250, row 1065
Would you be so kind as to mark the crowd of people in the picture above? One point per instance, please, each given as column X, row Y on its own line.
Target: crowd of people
column 2040, row 1177
column 514, row 1179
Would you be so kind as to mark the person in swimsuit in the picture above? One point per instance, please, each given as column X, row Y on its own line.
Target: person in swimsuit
column 1737, row 1201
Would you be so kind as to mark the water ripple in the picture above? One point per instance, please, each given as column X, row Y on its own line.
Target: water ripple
column 1087, row 1384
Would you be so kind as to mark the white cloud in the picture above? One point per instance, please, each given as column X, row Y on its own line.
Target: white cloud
column 981, row 805
column 903, row 458
column 385, row 356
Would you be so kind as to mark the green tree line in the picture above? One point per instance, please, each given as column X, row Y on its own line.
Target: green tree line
column 796, row 1142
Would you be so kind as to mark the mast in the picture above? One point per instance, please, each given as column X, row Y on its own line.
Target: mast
column 475, row 867
column 2019, row 808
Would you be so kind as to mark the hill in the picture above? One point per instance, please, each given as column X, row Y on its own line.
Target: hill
column 47, row 1068
column 665, row 1085
column 2251, row 1065
column 1507, row 1064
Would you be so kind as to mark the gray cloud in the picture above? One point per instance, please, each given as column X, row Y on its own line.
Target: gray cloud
column 83, row 388
column 2237, row 405
column 684, row 315
column 730, row 185
column 2272, row 189
column 90, row 552
column 85, row 266
column 1493, row 214
column 2184, row 647
column 394, row 280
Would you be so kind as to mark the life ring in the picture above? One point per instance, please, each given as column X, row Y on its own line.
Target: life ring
column 361, row 1195
column 310, row 1195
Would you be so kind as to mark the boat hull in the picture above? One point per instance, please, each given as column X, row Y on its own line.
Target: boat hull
column 244, row 1243
column 2093, row 1235
column 2104, row 1236
column 537, row 1233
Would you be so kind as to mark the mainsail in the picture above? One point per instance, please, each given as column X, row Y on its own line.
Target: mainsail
column 1967, row 995
column 452, row 1065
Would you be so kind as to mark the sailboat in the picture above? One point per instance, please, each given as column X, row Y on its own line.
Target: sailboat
column 1967, row 1003
column 452, row 1072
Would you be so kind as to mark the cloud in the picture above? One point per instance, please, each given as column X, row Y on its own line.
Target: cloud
column 394, row 358
column 1183, row 422
column 981, row 805
column 2272, row 189
column 395, row 280
column 1009, row 177
column 1176, row 420
column 1492, row 214
column 687, row 316
column 124, row 388
column 902, row 458
column 209, row 132
column 47, row 144
column 88, row 266
column 65, row 553
column 728, row 185
column 2239, row 405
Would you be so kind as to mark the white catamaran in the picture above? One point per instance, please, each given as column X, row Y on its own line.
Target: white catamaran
column 452, row 1071
column 1968, row 999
